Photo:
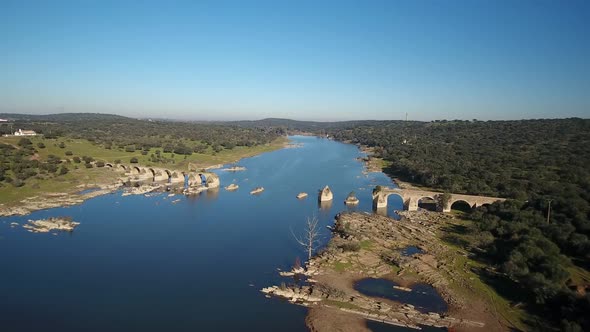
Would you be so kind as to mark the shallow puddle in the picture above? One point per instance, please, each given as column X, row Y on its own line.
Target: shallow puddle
column 422, row 296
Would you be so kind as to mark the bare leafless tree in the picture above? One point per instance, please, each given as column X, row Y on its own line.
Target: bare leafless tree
column 310, row 239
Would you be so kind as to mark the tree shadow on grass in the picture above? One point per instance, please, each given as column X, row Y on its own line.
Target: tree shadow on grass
column 453, row 235
column 516, row 295
column 454, row 228
column 455, row 240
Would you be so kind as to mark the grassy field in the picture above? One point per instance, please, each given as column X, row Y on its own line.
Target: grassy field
column 80, row 175
column 80, row 148
column 10, row 195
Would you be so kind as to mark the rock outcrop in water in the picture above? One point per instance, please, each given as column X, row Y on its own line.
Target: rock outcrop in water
column 351, row 199
column 142, row 189
column 301, row 195
column 257, row 190
column 326, row 194
column 235, row 169
column 47, row 225
column 232, row 187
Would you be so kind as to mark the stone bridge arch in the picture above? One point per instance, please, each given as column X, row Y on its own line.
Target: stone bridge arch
column 135, row 170
column 158, row 174
column 432, row 199
column 412, row 197
column 460, row 202
column 380, row 200
column 174, row 176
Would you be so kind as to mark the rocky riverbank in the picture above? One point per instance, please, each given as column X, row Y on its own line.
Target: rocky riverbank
column 366, row 245
column 52, row 200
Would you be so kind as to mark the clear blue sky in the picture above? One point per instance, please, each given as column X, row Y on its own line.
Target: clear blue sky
column 318, row 60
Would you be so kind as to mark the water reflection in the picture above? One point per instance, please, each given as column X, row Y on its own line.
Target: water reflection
column 212, row 193
column 325, row 206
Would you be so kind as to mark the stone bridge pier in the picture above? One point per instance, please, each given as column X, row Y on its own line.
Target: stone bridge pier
column 412, row 197
column 156, row 174
column 211, row 180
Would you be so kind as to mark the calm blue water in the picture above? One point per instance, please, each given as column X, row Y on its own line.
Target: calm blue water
column 411, row 250
column 423, row 297
column 143, row 263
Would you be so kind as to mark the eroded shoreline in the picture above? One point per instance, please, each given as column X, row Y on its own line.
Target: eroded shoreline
column 366, row 245
column 75, row 197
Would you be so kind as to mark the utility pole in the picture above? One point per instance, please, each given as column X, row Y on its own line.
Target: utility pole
column 549, row 210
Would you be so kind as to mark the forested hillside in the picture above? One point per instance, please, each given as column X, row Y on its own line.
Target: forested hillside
column 113, row 130
column 534, row 163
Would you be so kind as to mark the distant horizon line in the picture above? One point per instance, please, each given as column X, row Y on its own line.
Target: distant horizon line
column 186, row 119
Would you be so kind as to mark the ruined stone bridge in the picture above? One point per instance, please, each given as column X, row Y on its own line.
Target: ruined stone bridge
column 157, row 174
column 411, row 198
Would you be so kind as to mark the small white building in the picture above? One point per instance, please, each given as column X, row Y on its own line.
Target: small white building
column 21, row 132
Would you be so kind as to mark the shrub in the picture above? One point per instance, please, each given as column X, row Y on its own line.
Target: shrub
column 88, row 165
column 62, row 145
column 41, row 145
column 52, row 159
column 77, row 160
column 24, row 142
column 64, row 170
column 100, row 163
column 183, row 149
column 18, row 183
column 351, row 246
column 69, row 153
column 167, row 148
column 134, row 160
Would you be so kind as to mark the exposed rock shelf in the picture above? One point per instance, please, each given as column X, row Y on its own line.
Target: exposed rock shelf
column 232, row 187
column 301, row 195
column 143, row 189
column 234, row 169
column 51, row 200
column 369, row 246
column 257, row 190
column 50, row 224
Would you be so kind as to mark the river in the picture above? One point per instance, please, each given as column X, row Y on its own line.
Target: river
column 146, row 264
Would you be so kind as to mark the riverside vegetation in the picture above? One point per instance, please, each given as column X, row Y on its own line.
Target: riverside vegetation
column 72, row 149
column 537, row 259
column 541, row 260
